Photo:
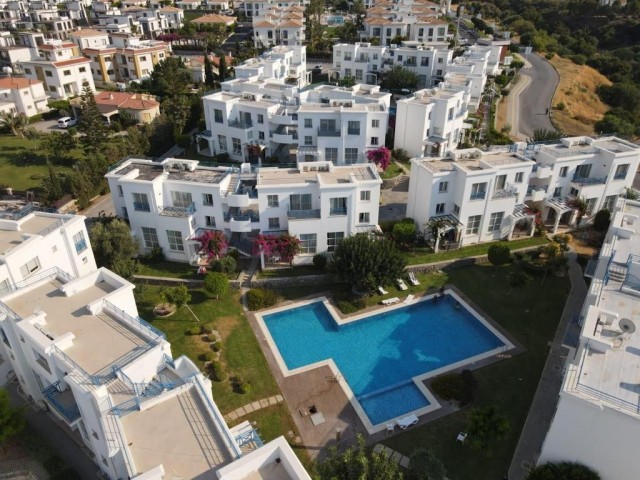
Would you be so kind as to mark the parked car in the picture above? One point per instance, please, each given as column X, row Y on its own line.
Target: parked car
column 317, row 70
column 66, row 122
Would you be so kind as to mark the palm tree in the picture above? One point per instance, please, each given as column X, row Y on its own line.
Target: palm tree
column 15, row 123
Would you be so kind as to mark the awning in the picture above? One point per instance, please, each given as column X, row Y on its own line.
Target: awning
column 450, row 219
column 522, row 210
column 560, row 205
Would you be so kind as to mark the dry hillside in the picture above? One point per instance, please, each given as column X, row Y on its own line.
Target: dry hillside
column 577, row 91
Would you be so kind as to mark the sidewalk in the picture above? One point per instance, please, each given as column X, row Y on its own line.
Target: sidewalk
column 545, row 400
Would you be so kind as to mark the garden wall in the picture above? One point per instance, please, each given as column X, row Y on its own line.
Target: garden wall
column 389, row 183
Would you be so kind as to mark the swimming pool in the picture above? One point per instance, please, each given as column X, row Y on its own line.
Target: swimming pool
column 383, row 357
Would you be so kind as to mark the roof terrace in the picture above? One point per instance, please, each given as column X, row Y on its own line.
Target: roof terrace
column 33, row 224
column 315, row 172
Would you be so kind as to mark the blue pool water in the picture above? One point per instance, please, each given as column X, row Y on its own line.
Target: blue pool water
column 380, row 354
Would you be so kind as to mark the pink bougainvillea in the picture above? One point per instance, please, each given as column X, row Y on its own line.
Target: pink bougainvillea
column 380, row 156
column 285, row 246
column 213, row 243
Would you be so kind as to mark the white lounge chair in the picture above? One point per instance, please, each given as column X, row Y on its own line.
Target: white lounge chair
column 401, row 285
column 407, row 421
column 381, row 290
column 408, row 300
column 412, row 279
column 462, row 436
column 390, row 301
column 391, row 428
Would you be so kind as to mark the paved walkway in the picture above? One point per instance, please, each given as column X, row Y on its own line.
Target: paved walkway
column 546, row 398
column 252, row 407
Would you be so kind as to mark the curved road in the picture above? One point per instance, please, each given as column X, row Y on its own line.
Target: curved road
column 534, row 92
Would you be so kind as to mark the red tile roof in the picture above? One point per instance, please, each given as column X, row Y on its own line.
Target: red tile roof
column 17, row 82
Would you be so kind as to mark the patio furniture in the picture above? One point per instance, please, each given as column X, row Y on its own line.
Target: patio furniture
column 412, row 279
column 462, row 436
column 390, row 301
column 408, row 300
column 401, row 285
column 407, row 421
column 381, row 290
column 390, row 428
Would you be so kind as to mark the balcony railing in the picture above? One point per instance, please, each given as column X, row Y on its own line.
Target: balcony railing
column 242, row 216
column 303, row 214
column 81, row 246
column 333, row 132
column 238, row 124
column 478, row 196
column 353, row 131
column 589, row 180
column 69, row 410
column 179, row 211
column 410, row 63
column 338, row 211
column 136, row 322
column 506, row 192
column 620, row 176
column 362, row 60
column 141, row 207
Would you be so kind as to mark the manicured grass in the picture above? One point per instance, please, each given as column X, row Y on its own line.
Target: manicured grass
column 427, row 281
column 167, row 268
column 17, row 175
column 416, row 256
column 530, row 315
column 392, row 171
column 299, row 271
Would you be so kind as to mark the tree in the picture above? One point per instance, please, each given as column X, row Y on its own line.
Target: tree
column 400, row 78
column 113, row 245
column 366, row 262
column 404, row 231
column 58, row 145
column 208, row 71
column 170, row 78
column 14, row 122
column 222, row 67
column 424, row 465
column 178, row 295
column 380, row 156
column 92, row 124
column 11, row 419
column 216, row 283
column 485, row 425
column 542, row 135
column 518, row 279
column 177, row 109
column 602, row 220
column 355, row 463
column 213, row 243
column 564, row 471
column 288, row 247
column 347, row 82
column 499, row 254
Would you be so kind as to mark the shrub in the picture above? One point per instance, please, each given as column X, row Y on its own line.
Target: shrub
column 216, row 283
column 460, row 387
column 404, row 231
column 216, row 372
column 560, row 106
column 178, row 296
column 155, row 255
column 224, row 265
column 499, row 254
column 424, row 465
column 320, row 261
column 564, row 470
column 240, row 385
column 35, row 118
column 216, row 346
column 206, row 328
column 205, row 338
column 259, row 298
column 233, row 253
column 183, row 140
column 401, row 155
column 578, row 59
column 602, row 220
column 193, row 331
column 207, row 357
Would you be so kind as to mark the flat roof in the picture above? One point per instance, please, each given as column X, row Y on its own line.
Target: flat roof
column 33, row 225
column 150, row 171
column 99, row 339
column 179, row 434
column 488, row 160
column 338, row 175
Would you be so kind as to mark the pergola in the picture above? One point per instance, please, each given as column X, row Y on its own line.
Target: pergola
column 522, row 212
column 560, row 206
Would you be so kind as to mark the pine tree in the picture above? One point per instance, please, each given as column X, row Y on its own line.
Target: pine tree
column 208, row 71
column 222, row 67
column 96, row 132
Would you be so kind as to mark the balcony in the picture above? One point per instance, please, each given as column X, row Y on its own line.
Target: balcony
column 303, row 214
column 541, row 171
column 181, row 212
column 478, row 196
column 283, row 117
column 329, row 132
column 250, row 216
column 353, row 131
column 588, row 180
column 362, row 60
column 536, row 194
column 410, row 63
column 238, row 124
column 285, row 135
column 141, row 207
column 507, row 192
column 81, row 246
column 62, row 402
column 338, row 211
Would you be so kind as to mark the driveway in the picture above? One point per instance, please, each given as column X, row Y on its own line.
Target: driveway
column 532, row 103
column 47, row 126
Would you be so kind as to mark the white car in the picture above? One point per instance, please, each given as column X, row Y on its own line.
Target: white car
column 66, row 122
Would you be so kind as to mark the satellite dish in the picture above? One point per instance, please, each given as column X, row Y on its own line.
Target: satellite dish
column 7, row 70
column 627, row 325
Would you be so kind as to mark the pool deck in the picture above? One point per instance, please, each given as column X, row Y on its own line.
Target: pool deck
column 318, row 387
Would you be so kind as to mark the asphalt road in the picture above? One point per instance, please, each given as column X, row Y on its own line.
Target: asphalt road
column 535, row 99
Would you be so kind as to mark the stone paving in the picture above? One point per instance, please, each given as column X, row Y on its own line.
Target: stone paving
column 252, row 407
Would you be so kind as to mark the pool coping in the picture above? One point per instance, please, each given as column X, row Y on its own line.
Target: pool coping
column 419, row 380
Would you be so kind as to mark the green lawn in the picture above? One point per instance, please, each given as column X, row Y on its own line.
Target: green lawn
column 299, row 271
column 14, row 173
column 531, row 315
column 167, row 268
column 393, row 170
column 417, row 256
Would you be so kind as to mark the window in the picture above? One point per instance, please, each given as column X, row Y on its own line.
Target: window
column 363, row 217
column 331, row 154
column 495, row 221
column 473, row 224
column 365, row 195
column 478, row 191
column 79, row 242
column 175, row 240
column 150, row 237
column 583, row 171
column 424, row 62
column 456, row 209
column 222, row 142
column 609, row 204
column 237, row 146
column 207, row 199
column 300, row 201
column 209, row 221
column 375, row 123
column 260, row 118
column 31, row 266
column 5, row 286
column 338, row 206
column 563, row 171
column 274, row 223
column 519, row 177
column 450, row 115
column 260, row 135
column 48, row 73
column 308, row 123
column 125, row 212
column 557, row 192
column 443, row 187
column 181, row 199
column 140, row 202
column 82, row 69
column 4, row 337
column 621, row 172
column 353, row 128
column 27, row 71
column 308, row 242
column 374, row 140
column 217, row 115
column 350, row 155
column 120, row 192
column 440, row 208
column 272, row 201
column 308, row 140
column 333, row 239
column 591, row 205
column 574, row 192
column 40, row 360
column 501, row 182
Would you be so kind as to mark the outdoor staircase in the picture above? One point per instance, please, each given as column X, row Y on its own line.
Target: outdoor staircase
column 617, row 272
column 245, row 281
column 403, row 185
column 233, row 184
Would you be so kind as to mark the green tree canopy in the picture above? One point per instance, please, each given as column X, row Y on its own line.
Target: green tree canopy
column 14, row 122
column 366, row 261
column 92, row 123
column 564, row 471
column 113, row 246
column 170, row 78
column 208, row 71
column 485, row 425
column 58, row 145
column 11, row 419
column 400, row 78
column 216, row 283
column 499, row 254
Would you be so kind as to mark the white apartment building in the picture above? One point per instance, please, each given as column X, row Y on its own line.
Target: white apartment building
column 279, row 26
column 21, row 95
column 431, row 122
column 386, row 27
column 11, row 53
column 596, row 421
column 472, row 67
column 89, row 38
column 60, row 67
column 171, row 203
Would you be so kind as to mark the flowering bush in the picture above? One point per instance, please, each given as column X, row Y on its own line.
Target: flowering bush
column 285, row 246
column 213, row 243
column 380, row 156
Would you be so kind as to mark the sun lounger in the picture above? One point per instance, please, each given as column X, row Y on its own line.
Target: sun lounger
column 412, row 279
column 401, row 285
column 407, row 421
column 408, row 300
column 381, row 290
column 462, row 436
column 390, row 301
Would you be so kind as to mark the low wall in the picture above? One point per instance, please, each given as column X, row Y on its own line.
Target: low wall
column 177, row 281
column 323, row 279
column 389, row 183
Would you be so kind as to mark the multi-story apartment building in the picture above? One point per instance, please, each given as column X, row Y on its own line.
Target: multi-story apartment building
column 256, row 8
column 21, row 95
column 173, row 16
column 89, row 38
column 170, row 204
column 596, row 421
column 431, row 122
column 11, row 53
column 404, row 21
column 472, row 67
column 60, row 67
column 279, row 26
